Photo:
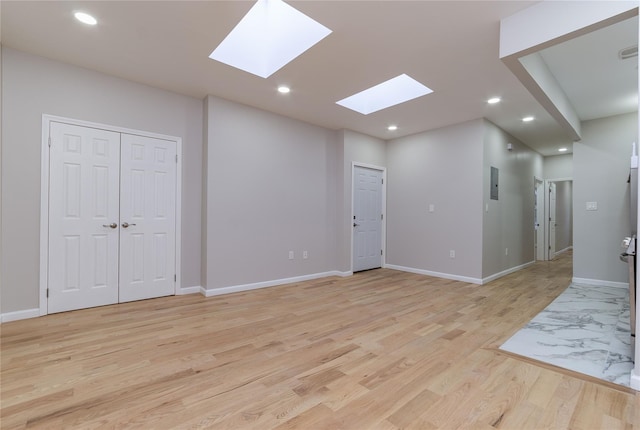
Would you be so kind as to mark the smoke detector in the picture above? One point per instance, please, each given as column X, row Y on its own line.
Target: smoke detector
column 630, row 52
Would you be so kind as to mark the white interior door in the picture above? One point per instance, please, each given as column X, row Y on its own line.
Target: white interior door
column 367, row 218
column 539, row 220
column 147, row 218
column 552, row 220
column 83, row 217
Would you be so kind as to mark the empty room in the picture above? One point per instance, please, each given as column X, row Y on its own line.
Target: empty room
column 319, row 214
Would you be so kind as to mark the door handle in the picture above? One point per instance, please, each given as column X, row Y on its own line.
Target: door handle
column 112, row 225
column 126, row 224
column 355, row 225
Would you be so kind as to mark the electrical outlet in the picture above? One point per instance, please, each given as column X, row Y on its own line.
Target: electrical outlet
column 305, row 254
column 432, row 208
column 452, row 254
column 290, row 255
column 592, row 206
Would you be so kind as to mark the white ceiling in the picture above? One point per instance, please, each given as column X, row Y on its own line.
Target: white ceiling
column 450, row 46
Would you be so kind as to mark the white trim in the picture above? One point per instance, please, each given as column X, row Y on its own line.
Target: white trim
column 44, row 195
column 355, row 164
column 634, row 382
column 189, row 290
column 541, row 222
column 506, row 272
column 266, row 284
column 435, row 274
column 567, row 179
column 44, row 215
column 600, row 283
column 20, row 315
column 568, row 248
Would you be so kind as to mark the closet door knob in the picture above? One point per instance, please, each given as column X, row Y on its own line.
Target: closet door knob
column 112, row 225
column 126, row 224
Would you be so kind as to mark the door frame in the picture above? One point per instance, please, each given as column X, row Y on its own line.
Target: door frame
column 547, row 182
column 383, row 233
column 44, row 196
column 540, row 232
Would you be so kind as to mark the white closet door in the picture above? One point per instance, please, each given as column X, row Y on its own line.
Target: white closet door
column 83, row 217
column 147, row 217
column 367, row 222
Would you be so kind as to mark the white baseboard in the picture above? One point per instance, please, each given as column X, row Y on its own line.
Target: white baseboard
column 188, row 290
column 505, row 272
column 435, row 274
column 246, row 287
column 341, row 274
column 600, row 283
column 20, row 315
column 635, row 380
column 568, row 248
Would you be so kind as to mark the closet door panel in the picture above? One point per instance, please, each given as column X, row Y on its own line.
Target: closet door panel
column 147, row 214
column 84, row 178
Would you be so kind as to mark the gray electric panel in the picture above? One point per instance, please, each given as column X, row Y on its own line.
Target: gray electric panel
column 493, row 191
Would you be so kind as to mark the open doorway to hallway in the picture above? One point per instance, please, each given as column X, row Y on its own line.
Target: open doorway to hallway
column 553, row 217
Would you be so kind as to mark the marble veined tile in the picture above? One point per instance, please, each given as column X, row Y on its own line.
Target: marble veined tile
column 586, row 329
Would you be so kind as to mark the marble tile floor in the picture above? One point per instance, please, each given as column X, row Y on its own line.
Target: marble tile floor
column 585, row 329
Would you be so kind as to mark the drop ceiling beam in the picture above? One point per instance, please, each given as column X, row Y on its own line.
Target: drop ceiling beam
column 545, row 24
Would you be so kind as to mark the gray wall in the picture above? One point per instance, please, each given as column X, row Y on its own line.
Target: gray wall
column 564, row 215
column 600, row 172
column 271, row 188
column 508, row 224
column 442, row 167
column 33, row 86
column 558, row 167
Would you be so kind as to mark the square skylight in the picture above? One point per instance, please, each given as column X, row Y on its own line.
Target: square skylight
column 268, row 37
column 389, row 93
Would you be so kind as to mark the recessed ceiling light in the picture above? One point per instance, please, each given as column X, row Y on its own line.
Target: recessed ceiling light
column 562, row 150
column 528, row 119
column 284, row 89
column 392, row 128
column 389, row 93
column 85, row 18
column 493, row 100
column 268, row 37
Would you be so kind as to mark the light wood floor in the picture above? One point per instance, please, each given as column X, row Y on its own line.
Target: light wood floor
column 378, row 350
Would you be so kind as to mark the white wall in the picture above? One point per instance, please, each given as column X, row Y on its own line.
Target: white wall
column 271, row 188
column 508, row 229
column 558, row 167
column 442, row 167
column 600, row 172
column 33, row 86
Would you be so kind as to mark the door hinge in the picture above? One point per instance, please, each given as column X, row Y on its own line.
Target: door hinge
column 47, row 293
column 381, row 252
column 382, row 181
column 381, row 216
column 175, row 278
column 49, row 142
column 176, row 158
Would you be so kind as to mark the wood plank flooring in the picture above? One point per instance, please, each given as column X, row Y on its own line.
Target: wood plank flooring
column 378, row 350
